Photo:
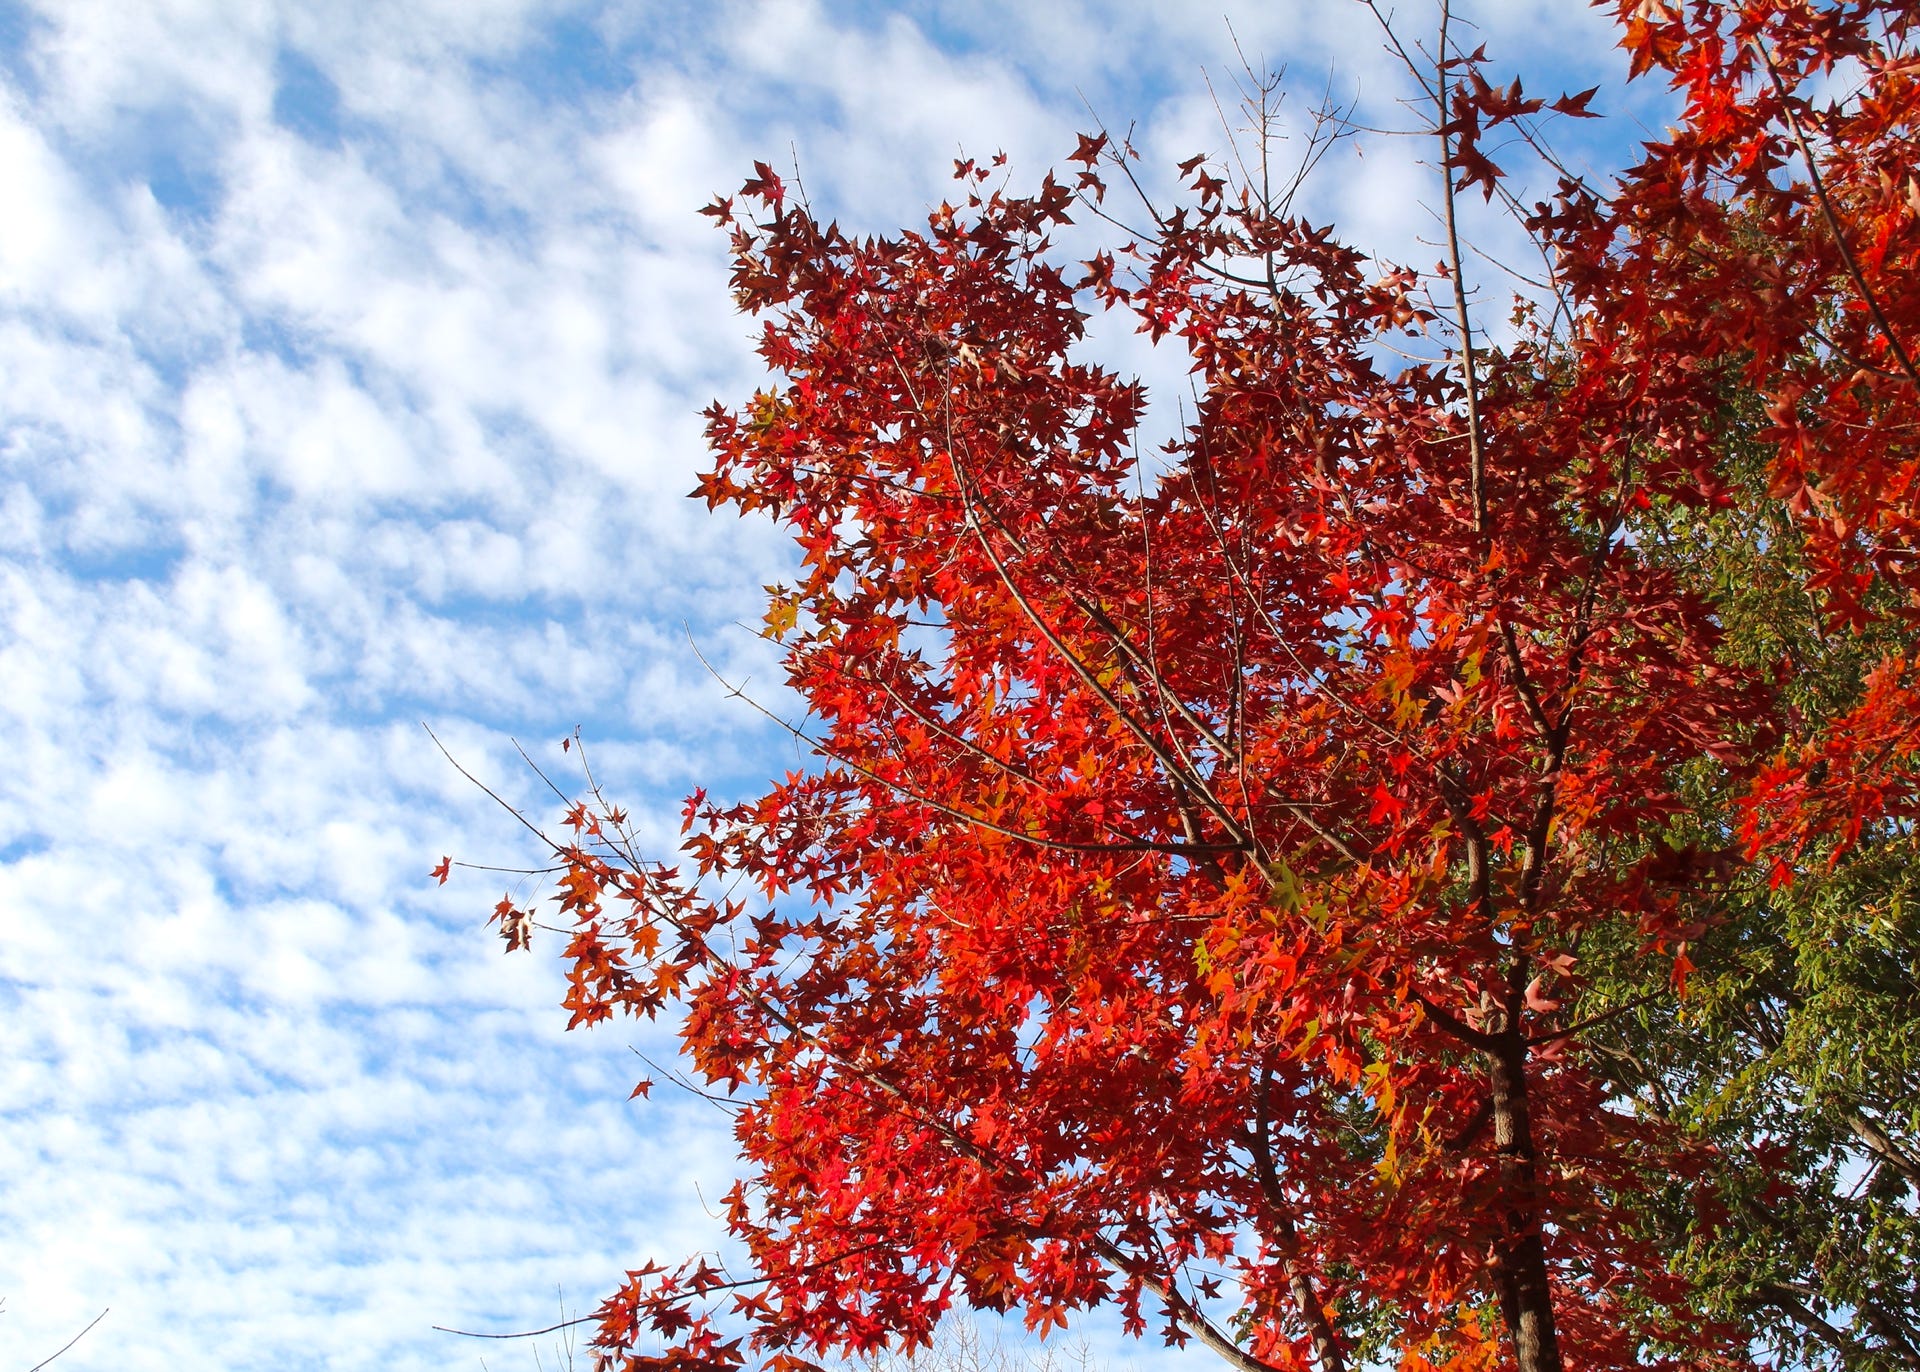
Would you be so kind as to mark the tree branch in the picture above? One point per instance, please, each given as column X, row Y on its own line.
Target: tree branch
column 1882, row 1145
column 70, row 1342
column 1459, row 1028
column 1827, row 211
column 1326, row 1343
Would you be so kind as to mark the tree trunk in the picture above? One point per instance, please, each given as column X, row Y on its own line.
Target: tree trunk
column 1520, row 1274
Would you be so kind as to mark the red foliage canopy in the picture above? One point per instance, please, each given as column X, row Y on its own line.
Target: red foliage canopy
column 1182, row 907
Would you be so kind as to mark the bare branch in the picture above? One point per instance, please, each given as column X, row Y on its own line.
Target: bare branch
column 519, row 1333
column 70, row 1342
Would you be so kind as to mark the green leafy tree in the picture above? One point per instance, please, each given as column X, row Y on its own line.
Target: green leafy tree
column 1793, row 1060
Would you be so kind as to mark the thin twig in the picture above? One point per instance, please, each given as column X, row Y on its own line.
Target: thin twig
column 1596, row 1021
column 70, row 1342
column 521, row 1334
column 492, row 794
column 1463, row 316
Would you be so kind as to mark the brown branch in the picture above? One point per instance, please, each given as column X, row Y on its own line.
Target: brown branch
column 489, row 791
column 1182, row 1309
column 1475, row 1126
column 1321, row 832
column 1238, row 576
column 1882, row 1146
column 1832, row 217
column 1789, row 1303
column 1522, row 683
column 958, row 740
column 1479, row 869
column 1897, row 1338
column 1170, row 701
column 1457, row 1027
column 1596, row 1021
column 1326, row 1344
column 696, row 1289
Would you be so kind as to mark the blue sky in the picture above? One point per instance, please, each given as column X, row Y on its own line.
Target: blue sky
column 350, row 364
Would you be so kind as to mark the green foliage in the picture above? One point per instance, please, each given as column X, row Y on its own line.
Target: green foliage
column 1792, row 1061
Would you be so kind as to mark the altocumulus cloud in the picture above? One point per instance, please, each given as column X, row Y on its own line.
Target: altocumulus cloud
column 350, row 362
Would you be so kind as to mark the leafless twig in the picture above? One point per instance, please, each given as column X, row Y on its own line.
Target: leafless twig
column 70, row 1342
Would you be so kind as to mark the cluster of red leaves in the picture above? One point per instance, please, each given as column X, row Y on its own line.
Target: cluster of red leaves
column 1779, row 227
column 1190, row 868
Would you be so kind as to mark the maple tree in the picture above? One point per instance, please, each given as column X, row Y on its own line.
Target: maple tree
column 1230, row 893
